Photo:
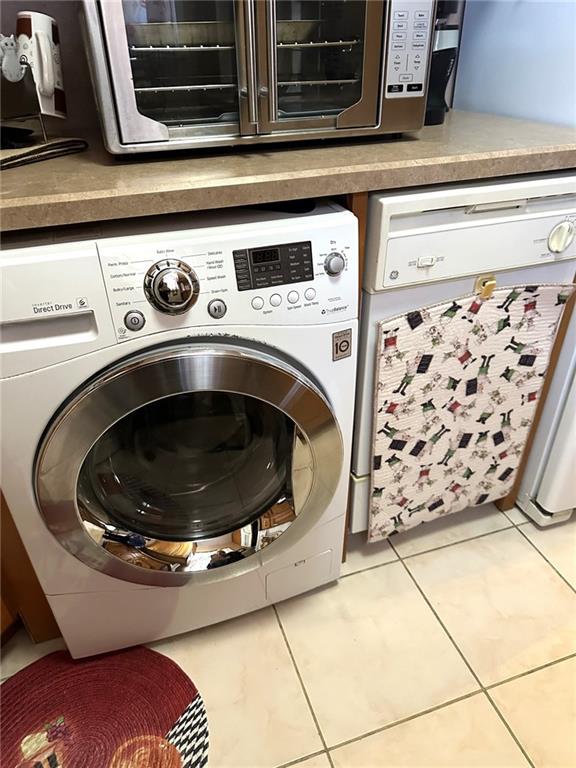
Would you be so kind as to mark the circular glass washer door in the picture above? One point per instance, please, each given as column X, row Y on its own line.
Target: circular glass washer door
column 186, row 459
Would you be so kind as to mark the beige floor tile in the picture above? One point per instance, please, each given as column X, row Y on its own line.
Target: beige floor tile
column 20, row 651
column 541, row 710
column 507, row 610
column 516, row 516
column 558, row 544
column 370, row 652
column 362, row 555
column 257, row 712
column 450, row 530
column 466, row 734
column 320, row 761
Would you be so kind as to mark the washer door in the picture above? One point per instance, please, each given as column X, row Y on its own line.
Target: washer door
column 187, row 459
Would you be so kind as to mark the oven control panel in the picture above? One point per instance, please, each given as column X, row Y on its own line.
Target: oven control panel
column 300, row 272
column 410, row 31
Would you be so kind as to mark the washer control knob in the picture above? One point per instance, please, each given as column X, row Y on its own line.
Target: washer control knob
column 561, row 236
column 334, row 264
column 275, row 299
column 217, row 309
column 257, row 302
column 134, row 320
column 171, row 286
column 293, row 297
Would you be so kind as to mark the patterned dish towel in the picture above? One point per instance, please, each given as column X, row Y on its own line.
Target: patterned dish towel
column 456, row 389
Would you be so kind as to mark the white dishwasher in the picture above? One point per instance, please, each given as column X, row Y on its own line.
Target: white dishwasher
column 464, row 289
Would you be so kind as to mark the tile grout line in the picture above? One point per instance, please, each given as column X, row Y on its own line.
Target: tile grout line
column 465, row 660
column 508, row 727
column 439, row 620
column 425, row 551
column 529, row 672
column 300, row 760
column 451, row 544
column 406, row 719
column 543, row 556
column 305, row 692
column 368, row 568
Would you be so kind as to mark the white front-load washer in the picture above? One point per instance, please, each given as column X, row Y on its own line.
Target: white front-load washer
column 177, row 410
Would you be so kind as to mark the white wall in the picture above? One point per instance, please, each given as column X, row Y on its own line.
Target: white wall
column 518, row 58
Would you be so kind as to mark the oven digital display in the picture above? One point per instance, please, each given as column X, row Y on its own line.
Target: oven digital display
column 265, row 256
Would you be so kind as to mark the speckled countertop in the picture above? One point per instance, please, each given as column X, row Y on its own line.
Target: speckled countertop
column 95, row 186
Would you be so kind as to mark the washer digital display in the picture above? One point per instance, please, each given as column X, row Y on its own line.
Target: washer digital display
column 265, row 256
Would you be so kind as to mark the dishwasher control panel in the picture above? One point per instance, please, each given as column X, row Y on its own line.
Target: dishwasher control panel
column 445, row 254
column 432, row 235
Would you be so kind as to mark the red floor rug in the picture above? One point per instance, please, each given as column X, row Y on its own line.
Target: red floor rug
column 132, row 709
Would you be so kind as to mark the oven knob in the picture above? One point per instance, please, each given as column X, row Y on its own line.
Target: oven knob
column 561, row 236
column 334, row 264
column 171, row 286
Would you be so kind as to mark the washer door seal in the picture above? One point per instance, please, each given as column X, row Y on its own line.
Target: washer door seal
column 88, row 530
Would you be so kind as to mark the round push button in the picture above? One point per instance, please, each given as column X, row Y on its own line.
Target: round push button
column 275, row 299
column 134, row 320
column 257, row 302
column 217, row 309
column 293, row 297
column 309, row 294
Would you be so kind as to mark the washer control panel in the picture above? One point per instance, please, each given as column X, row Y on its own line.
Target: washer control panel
column 273, row 265
column 298, row 271
column 410, row 32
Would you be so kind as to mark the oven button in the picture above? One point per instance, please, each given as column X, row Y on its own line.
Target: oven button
column 134, row 320
column 217, row 309
column 293, row 297
column 275, row 299
column 257, row 302
column 309, row 294
column 334, row 264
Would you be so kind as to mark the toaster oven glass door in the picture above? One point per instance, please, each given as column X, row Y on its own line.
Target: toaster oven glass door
column 183, row 60
column 174, row 67
column 319, row 63
column 185, row 69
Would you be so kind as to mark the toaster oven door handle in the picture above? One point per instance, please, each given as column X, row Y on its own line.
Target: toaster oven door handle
column 246, row 66
column 272, row 64
column 265, row 24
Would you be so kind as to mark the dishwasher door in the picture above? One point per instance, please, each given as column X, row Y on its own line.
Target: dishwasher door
column 380, row 307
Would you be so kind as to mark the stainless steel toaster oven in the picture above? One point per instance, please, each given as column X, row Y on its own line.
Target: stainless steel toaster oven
column 173, row 74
